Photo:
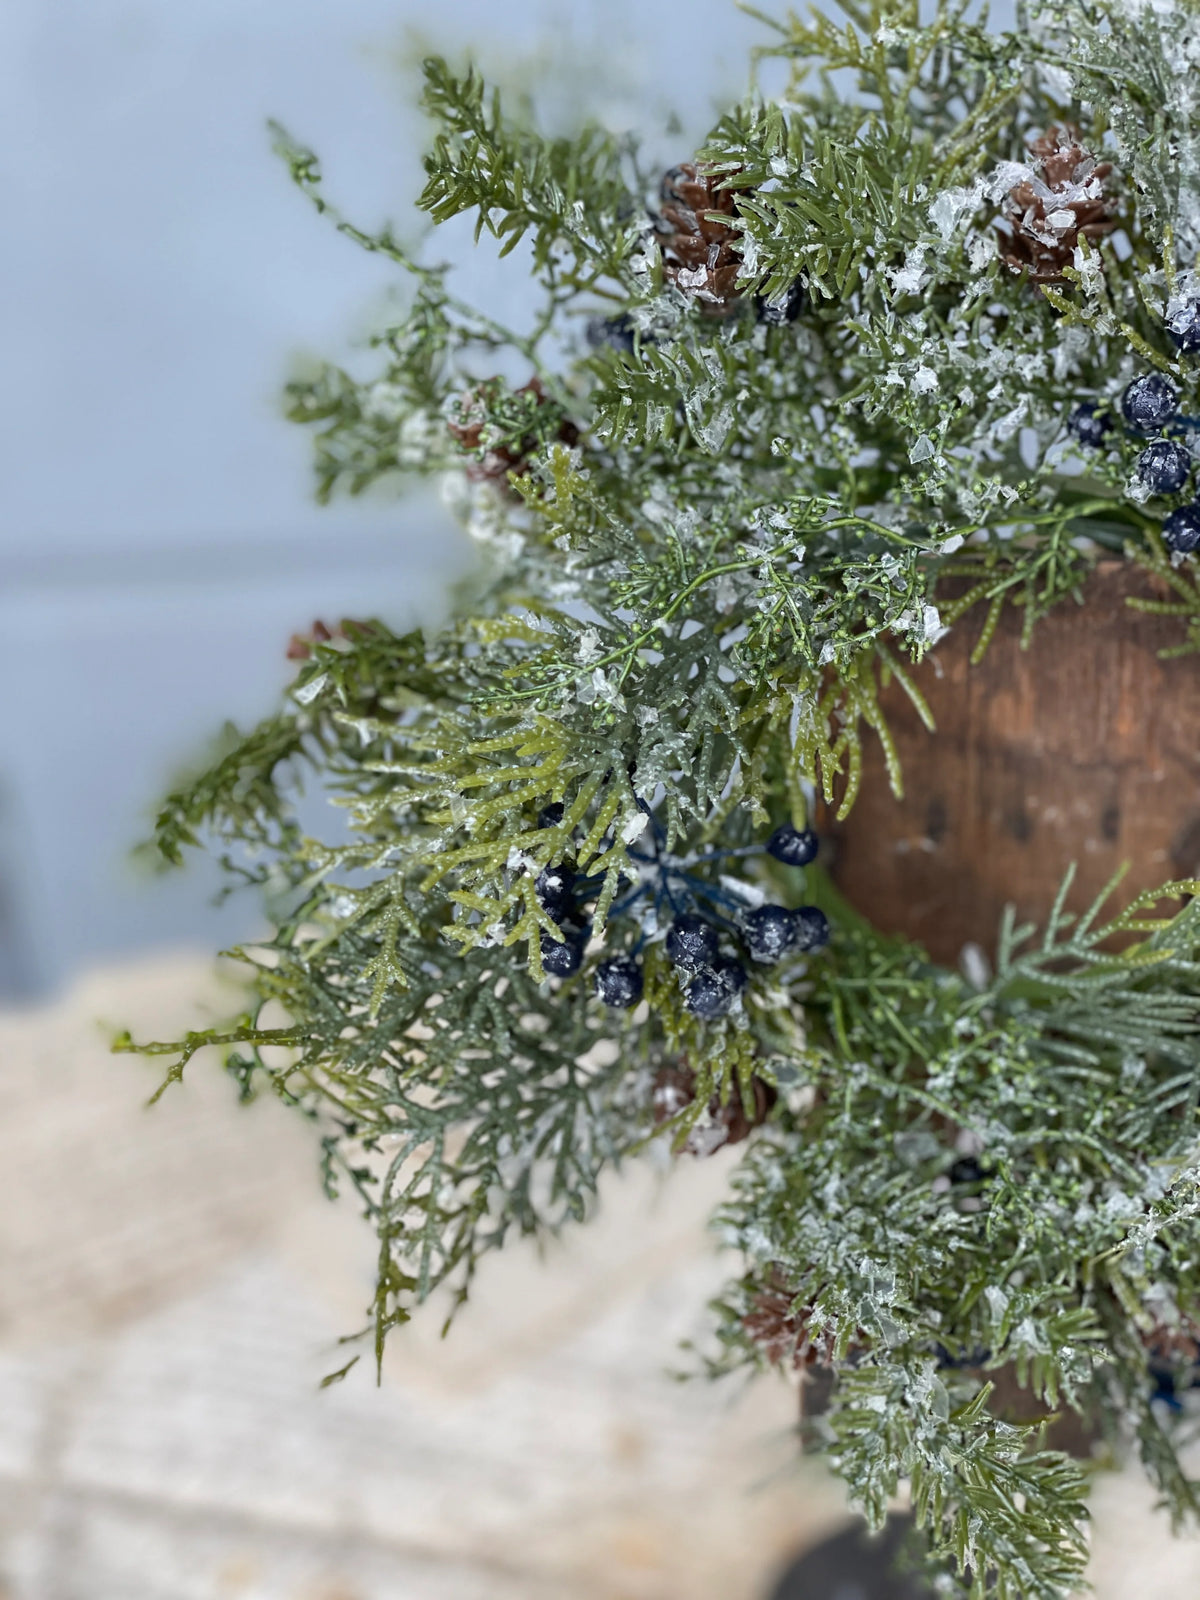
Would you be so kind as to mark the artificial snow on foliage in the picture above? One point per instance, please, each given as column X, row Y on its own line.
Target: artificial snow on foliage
column 866, row 364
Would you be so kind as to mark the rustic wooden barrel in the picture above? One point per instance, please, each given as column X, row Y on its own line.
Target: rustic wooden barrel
column 1084, row 747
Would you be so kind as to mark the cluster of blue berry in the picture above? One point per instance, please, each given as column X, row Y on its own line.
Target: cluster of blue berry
column 704, row 918
column 1150, row 405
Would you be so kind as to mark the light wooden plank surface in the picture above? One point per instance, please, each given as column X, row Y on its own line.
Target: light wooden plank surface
column 172, row 1288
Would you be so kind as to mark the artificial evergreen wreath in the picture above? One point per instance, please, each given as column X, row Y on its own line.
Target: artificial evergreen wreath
column 869, row 363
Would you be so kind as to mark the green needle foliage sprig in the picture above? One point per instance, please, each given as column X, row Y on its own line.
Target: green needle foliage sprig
column 773, row 425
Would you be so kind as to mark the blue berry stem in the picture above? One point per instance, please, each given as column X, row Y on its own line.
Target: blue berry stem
column 660, row 834
column 664, row 893
column 725, row 855
column 621, row 906
column 715, row 897
column 592, row 880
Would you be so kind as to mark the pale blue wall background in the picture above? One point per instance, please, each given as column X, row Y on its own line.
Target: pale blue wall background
column 157, row 542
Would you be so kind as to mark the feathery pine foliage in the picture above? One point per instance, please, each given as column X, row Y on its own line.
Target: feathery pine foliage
column 709, row 528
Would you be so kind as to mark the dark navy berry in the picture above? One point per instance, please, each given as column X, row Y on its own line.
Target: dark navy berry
column 733, row 973
column 810, row 928
column 707, row 997
column 619, row 982
column 561, row 957
column 1181, row 530
column 1149, row 403
column 966, row 1170
column 977, row 1356
column 1163, row 467
column 795, row 847
column 775, row 313
column 711, row 993
column 1089, row 425
column 550, row 816
column 691, row 943
column 555, row 887
column 1182, row 322
column 1163, row 1376
column 768, row 932
column 615, row 332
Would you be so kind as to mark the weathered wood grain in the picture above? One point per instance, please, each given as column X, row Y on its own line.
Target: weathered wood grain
column 1085, row 747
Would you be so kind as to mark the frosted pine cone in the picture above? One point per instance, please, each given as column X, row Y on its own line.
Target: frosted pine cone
column 675, row 1088
column 781, row 1329
column 300, row 646
column 776, row 1328
column 698, row 253
column 1178, row 1346
column 469, row 426
column 1063, row 201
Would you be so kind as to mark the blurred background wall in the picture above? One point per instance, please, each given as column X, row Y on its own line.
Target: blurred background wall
column 157, row 540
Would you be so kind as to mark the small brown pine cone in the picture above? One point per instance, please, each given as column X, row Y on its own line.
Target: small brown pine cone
column 1178, row 1346
column 300, row 644
column 781, row 1330
column 1048, row 214
column 495, row 465
column 777, row 1329
column 675, row 1088
column 733, row 1113
column 698, row 253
